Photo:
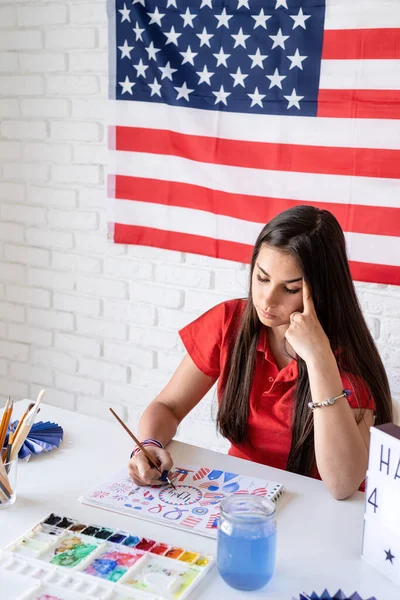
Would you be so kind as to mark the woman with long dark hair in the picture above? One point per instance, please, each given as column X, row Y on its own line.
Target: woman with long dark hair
column 300, row 381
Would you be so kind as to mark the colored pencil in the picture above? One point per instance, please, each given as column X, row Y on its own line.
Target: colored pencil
column 148, row 456
column 5, row 421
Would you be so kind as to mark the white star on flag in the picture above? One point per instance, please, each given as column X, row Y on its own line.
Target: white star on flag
column 281, row 3
column 296, row 60
column 240, row 38
column 171, row 3
column 141, row 69
column 155, row 17
column 139, row 2
column 261, row 19
column 279, row 40
column 221, row 95
column 256, row 98
column 244, row 3
column 206, row 3
column 126, row 14
column 205, row 38
column 221, row 57
column 204, row 75
column 152, row 51
column 238, row 78
column 125, row 50
column 126, row 86
column 276, row 79
column 300, row 19
column 293, row 99
column 188, row 56
column 138, row 32
column 172, row 36
column 223, row 19
column 183, row 92
column 155, row 88
column 166, row 72
column 257, row 59
column 188, row 18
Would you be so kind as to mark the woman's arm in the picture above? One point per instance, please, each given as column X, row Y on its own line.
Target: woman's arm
column 341, row 446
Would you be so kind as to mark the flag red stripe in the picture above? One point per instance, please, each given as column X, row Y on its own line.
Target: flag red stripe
column 353, row 44
column 361, row 162
column 182, row 242
column 359, row 104
column 353, row 218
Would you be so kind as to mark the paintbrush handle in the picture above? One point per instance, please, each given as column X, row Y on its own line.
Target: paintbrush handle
column 139, row 445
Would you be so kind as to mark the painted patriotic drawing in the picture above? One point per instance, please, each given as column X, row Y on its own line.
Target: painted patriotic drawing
column 194, row 504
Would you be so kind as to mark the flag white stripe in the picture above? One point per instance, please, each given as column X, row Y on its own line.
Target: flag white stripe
column 346, row 133
column 307, row 187
column 374, row 249
column 362, row 14
column 360, row 74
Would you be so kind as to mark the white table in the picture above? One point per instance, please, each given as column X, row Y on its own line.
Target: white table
column 319, row 538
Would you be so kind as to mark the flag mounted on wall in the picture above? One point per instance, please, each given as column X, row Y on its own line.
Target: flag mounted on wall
column 226, row 112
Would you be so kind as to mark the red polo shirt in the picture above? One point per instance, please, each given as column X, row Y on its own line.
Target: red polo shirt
column 209, row 341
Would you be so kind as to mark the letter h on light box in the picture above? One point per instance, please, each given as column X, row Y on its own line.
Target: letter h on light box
column 381, row 539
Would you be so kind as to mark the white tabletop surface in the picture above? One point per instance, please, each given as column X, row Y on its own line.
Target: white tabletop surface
column 319, row 538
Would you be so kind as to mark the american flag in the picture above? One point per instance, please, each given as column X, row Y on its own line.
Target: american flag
column 226, row 112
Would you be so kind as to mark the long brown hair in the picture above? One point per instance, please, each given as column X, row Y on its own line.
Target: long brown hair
column 315, row 239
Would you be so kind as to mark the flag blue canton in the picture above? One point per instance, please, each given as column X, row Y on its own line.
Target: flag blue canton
column 245, row 56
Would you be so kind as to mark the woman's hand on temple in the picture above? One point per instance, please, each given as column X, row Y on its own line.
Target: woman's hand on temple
column 143, row 473
column 305, row 333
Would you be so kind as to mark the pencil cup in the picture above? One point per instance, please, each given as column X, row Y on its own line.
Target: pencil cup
column 246, row 541
column 8, row 483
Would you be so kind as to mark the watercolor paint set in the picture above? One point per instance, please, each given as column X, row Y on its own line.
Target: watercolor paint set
column 65, row 559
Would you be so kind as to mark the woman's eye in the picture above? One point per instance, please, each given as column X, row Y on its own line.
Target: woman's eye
column 292, row 291
column 259, row 278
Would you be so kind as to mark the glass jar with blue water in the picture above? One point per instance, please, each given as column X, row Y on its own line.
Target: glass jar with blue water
column 246, row 541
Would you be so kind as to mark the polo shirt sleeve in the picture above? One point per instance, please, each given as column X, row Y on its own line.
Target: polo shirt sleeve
column 360, row 396
column 203, row 337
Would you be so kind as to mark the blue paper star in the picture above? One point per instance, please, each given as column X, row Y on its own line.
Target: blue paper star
column 326, row 596
column 389, row 555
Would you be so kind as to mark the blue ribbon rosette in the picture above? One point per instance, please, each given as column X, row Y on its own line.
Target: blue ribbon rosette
column 326, row 596
column 44, row 436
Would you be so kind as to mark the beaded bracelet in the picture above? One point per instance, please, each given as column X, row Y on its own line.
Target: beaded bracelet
column 147, row 442
column 329, row 401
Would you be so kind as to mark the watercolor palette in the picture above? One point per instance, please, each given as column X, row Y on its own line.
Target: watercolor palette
column 67, row 559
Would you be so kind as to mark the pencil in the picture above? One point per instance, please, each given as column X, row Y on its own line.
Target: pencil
column 150, row 458
column 5, row 421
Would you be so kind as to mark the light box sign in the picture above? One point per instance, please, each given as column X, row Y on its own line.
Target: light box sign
column 381, row 539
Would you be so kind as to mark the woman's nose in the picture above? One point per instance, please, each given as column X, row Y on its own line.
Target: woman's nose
column 271, row 298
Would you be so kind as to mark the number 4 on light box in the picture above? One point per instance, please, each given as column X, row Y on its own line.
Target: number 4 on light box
column 381, row 540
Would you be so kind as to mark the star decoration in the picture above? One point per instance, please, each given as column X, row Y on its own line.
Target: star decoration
column 281, row 3
column 125, row 50
column 389, row 555
column 244, row 3
column 138, row 32
column 240, row 38
column 221, row 57
column 276, row 79
column 126, row 14
column 155, row 17
column 152, row 51
column 188, row 56
column 223, row 19
column 126, row 86
column 256, row 98
column 279, row 39
column 141, row 69
column 183, row 92
column 300, row 19
column 221, row 95
column 139, row 2
column 171, row 3
column 206, row 3
column 293, row 99
column 238, row 78
column 296, row 60
column 188, row 18
column 205, row 38
column 172, row 36
column 257, row 59
column 204, row 75
column 155, row 88
column 166, row 72
column 261, row 19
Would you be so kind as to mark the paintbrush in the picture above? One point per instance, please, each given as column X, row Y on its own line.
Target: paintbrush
column 25, row 428
column 149, row 457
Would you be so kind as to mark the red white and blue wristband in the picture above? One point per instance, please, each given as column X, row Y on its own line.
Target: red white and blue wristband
column 147, row 442
column 329, row 401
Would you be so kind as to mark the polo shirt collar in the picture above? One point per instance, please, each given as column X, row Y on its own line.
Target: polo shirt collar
column 288, row 373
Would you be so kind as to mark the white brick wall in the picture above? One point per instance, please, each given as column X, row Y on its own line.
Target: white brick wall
column 95, row 323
